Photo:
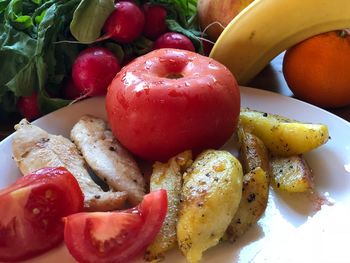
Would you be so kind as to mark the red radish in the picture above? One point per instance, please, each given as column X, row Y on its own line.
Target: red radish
column 28, row 107
column 93, row 70
column 155, row 25
column 125, row 24
column 173, row 40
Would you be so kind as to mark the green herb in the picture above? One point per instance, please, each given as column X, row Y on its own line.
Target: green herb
column 88, row 19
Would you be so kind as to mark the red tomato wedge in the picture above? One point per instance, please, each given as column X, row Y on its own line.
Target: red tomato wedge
column 102, row 237
column 32, row 209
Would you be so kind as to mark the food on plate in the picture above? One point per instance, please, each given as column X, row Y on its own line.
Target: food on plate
column 291, row 174
column 115, row 236
column 253, row 152
column 168, row 176
column 173, row 40
column 211, row 193
column 283, row 136
column 93, row 70
column 247, row 45
column 169, row 101
column 215, row 15
column 107, row 158
column 32, row 209
column 317, row 69
column 192, row 205
column 255, row 194
column 34, row 148
column 120, row 27
column 256, row 181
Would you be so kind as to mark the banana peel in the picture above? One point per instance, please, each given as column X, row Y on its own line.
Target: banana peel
column 268, row 27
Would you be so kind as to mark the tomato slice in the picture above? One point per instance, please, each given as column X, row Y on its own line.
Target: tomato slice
column 32, row 209
column 115, row 236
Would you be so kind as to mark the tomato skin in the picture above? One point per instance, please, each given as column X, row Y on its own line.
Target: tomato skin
column 31, row 212
column 156, row 115
column 116, row 237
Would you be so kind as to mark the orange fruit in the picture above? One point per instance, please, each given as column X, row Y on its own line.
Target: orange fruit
column 317, row 70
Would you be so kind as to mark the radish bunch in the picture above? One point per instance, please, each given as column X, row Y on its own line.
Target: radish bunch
column 95, row 67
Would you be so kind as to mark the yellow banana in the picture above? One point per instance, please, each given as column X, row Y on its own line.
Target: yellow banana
column 268, row 27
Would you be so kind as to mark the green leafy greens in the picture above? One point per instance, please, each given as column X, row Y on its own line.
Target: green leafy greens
column 30, row 59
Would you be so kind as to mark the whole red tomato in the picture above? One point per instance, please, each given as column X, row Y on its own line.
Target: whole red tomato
column 172, row 100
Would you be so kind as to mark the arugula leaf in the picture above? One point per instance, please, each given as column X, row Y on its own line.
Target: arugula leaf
column 88, row 19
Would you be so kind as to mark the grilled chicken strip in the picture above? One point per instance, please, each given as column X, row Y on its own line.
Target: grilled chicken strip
column 107, row 157
column 34, row 148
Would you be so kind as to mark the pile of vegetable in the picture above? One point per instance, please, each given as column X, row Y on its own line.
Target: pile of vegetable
column 41, row 40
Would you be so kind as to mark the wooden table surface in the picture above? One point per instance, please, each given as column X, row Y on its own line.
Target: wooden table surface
column 271, row 78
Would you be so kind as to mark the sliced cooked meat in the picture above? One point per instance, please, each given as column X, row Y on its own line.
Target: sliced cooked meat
column 107, row 157
column 34, row 148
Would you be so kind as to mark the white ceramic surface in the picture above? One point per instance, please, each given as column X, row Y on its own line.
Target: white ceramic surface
column 294, row 228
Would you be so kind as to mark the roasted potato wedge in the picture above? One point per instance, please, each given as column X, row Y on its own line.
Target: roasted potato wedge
column 283, row 136
column 168, row 176
column 253, row 152
column 291, row 174
column 210, row 197
column 256, row 181
column 253, row 203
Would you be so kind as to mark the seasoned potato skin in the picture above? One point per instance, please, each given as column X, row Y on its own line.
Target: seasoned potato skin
column 256, row 180
column 168, row 176
column 252, row 152
column 253, row 203
column 283, row 136
column 291, row 174
column 210, row 197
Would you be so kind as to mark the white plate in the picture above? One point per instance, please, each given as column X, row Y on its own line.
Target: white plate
column 292, row 229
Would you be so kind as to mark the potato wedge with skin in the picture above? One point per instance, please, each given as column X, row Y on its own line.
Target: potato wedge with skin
column 291, row 174
column 283, row 136
column 210, row 197
column 256, row 181
column 253, row 203
column 252, row 151
column 168, row 176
